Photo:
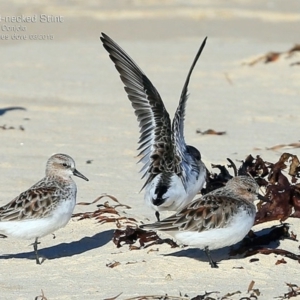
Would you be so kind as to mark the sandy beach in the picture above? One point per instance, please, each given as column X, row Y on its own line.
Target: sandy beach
column 60, row 93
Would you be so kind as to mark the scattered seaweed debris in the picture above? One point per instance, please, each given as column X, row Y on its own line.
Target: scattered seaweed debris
column 106, row 213
column 130, row 235
column 280, row 146
column 5, row 127
column 210, row 131
column 250, row 294
column 268, row 251
column 293, row 291
column 273, row 56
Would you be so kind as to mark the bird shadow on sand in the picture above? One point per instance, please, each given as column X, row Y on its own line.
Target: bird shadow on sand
column 6, row 109
column 220, row 254
column 197, row 254
column 66, row 249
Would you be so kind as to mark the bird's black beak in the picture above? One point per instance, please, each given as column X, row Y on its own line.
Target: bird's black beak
column 263, row 198
column 78, row 174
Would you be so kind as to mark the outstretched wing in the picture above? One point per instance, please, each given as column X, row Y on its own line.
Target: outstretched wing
column 31, row 204
column 202, row 214
column 178, row 121
column 156, row 144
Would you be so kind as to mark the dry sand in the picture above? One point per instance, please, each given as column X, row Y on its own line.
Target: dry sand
column 73, row 102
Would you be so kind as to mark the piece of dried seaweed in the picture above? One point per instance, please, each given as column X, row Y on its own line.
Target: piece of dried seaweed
column 273, row 56
column 103, row 196
column 113, row 298
column 106, row 213
column 280, row 146
column 131, row 235
column 113, row 264
column 280, row 261
column 158, row 297
column 211, row 132
column 268, row 251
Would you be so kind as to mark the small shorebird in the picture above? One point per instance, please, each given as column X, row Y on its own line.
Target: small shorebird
column 218, row 219
column 173, row 170
column 46, row 206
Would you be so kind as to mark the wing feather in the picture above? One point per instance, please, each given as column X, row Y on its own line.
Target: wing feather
column 31, row 204
column 200, row 215
column 178, row 121
column 156, row 141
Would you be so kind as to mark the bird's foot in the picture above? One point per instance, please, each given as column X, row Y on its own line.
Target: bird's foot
column 157, row 216
column 213, row 264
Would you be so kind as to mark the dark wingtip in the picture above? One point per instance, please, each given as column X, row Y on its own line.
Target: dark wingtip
column 104, row 37
column 185, row 87
column 204, row 41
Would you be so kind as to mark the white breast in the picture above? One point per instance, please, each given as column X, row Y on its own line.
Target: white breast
column 234, row 232
column 36, row 228
column 176, row 196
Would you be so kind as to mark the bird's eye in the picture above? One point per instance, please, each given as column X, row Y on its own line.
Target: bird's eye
column 249, row 190
column 64, row 164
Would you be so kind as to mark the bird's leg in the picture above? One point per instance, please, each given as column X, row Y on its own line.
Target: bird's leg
column 157, row 216
column 35, row 247
column 212, row 263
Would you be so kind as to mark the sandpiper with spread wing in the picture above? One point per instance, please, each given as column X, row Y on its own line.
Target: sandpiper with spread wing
column 174, row 171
